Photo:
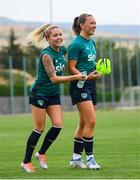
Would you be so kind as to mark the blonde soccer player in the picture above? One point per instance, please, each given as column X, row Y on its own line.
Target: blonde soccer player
column 44, row 95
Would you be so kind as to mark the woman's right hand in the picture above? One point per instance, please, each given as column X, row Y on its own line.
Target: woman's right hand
column 81, row 77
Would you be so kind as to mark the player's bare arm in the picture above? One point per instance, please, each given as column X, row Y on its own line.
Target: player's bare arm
column 72, row 67
column 48, row 65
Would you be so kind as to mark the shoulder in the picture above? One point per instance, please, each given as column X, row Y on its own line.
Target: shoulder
column 93, row 41
column 46, row 51
column 75, row 44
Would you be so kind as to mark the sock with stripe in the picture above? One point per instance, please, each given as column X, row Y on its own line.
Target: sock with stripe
column 88, row 145
column 49, row 139
column 78, row 148
column 31, row 143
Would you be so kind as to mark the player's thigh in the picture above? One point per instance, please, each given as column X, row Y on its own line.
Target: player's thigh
column 87, row 111
column 39, row 117
column 55, row 114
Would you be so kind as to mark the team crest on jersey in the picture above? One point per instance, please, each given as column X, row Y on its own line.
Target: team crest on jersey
column 40, row 102
column 84, row 95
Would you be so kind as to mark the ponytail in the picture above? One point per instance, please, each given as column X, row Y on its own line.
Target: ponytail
column 40, row 33
column 76, row 26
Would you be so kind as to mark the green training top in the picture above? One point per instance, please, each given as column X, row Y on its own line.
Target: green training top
column 43, row 85
column 83, row 51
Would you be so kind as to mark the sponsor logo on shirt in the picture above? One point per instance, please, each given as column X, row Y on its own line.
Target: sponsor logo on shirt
column 60, row 67
column 91, row 57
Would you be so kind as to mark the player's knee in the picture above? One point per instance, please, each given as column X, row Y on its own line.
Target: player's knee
column 91, row 123
column 39, row 126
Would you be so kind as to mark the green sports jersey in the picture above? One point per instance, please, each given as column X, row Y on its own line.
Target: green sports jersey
column 83, row 51
column 43, row 85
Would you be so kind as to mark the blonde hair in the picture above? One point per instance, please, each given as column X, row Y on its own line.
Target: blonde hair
column 40, row 33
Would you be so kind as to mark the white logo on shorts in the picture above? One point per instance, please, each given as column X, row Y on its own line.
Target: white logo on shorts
column 40, row 102
column 84, row 95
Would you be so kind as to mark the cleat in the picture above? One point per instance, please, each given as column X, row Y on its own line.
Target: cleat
column 27, row 167
column 92, row 164
column 42, row 160
column 77, row 163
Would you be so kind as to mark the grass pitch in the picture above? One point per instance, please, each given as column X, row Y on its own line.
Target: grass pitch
column 117, row 147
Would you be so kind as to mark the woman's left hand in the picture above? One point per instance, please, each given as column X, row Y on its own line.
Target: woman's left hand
column 94, row 75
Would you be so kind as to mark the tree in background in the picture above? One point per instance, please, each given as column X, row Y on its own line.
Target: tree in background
column 32, row 52
column 103, row 45
column 14, row 50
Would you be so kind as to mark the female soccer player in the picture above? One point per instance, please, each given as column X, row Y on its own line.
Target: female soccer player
column 45, row 93
column 81, row 58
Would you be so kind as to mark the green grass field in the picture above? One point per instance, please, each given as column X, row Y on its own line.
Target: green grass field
column 117, row 147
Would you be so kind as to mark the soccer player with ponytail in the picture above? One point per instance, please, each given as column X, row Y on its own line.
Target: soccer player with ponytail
column 81, row 58
column 45, row 93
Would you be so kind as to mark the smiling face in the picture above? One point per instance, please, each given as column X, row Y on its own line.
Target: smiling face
column 89, row 26
column 55, row 37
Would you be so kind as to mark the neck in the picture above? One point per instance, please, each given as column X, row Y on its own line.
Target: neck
column 55, row 48
column 85, row 35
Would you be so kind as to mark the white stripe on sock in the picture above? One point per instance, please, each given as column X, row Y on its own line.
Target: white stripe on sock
column 78, row 141
column 88, row 140
column 37, row 131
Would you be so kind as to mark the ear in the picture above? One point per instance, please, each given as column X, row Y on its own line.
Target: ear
column 82, row 26
column 47, row 39
column 47, row 35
